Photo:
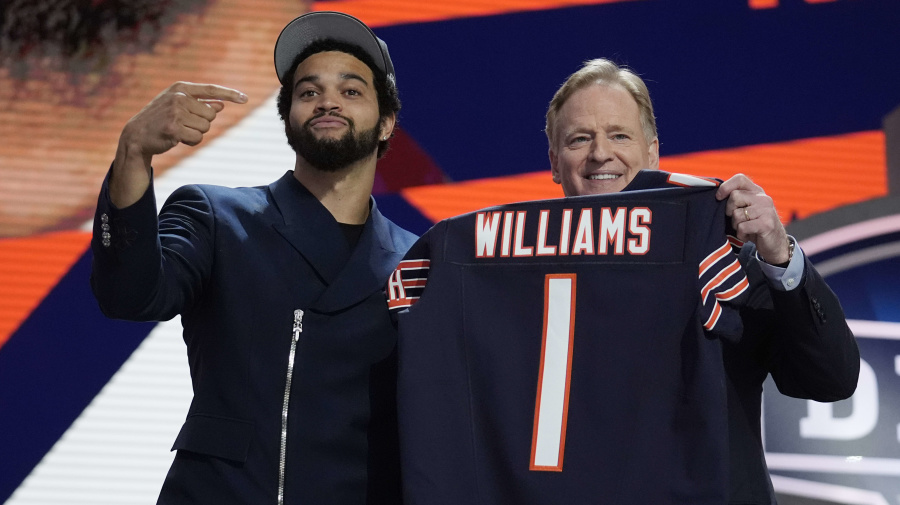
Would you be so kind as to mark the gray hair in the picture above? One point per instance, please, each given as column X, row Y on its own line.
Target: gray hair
column 603, row 71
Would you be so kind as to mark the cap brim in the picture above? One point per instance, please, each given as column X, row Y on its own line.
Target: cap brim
column 313, row 26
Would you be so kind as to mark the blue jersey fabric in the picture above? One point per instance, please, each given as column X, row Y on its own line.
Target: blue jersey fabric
column 600, row 317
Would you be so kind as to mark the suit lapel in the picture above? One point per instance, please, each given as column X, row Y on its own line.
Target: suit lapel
column 313, row 232
column 368, row 268
column 310, row 228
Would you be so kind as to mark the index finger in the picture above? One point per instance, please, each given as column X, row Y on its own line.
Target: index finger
column 739, row 182
column 210, row 92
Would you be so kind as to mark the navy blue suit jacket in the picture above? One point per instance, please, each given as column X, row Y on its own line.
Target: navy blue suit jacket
column 801, row 338
column 236, row 264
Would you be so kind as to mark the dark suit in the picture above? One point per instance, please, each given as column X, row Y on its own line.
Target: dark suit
column 802, row 339
column 236, row 264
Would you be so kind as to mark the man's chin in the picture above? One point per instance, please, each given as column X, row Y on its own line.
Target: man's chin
column 332, row 133
column 332, row 149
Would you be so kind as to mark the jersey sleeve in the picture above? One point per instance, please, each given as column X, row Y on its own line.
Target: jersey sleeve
column 407, row 282
column 723, row 284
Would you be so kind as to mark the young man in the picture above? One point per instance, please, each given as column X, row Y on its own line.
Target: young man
column 602, row 131
column 279, row 287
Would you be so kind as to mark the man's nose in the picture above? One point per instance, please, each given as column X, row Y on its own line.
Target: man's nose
column 600, row 150
column 328, row 101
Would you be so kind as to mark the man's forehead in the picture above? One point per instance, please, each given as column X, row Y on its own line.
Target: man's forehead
column 598, row 103
column 344, row 65
column 600, row 94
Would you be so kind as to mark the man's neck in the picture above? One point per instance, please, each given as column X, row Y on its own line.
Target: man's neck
column 345, row 192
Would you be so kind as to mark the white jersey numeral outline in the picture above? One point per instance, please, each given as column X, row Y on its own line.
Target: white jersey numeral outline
column 551, row 408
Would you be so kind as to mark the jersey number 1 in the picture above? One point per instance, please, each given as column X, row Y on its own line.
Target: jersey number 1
column 551, row 408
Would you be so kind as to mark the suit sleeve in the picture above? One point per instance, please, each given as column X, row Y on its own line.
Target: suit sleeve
column 149, row 268
column 809, row 350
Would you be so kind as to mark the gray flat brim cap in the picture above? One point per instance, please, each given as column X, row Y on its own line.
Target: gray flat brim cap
column 313, row 26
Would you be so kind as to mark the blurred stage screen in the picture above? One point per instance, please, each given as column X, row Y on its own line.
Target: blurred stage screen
column 790, row 92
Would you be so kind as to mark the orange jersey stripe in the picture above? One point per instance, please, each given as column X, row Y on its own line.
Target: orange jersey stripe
column 414, row 264
column 714, row 257
column 713, row 318
column 719, row 279
column 402, row 303
column 735, row 291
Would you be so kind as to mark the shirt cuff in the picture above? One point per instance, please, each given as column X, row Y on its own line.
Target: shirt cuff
column 788, row 278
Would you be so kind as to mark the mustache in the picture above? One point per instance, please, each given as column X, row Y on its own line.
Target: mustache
column 333, row 114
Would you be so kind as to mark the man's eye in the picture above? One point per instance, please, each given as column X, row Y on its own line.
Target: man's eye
column 620, row 136
column 308, row 93
column 352, row 92
column 579, row 140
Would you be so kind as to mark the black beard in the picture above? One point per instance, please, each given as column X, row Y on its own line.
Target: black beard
column 331, row 155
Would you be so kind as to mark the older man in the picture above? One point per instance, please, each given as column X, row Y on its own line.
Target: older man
column 602, row 132
column 279, row 287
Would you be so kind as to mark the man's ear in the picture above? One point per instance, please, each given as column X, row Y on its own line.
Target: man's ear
column 387, row 126
column 554, row 166
column 653, row 154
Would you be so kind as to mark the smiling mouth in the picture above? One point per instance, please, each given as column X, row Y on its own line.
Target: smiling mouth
column 602, row 177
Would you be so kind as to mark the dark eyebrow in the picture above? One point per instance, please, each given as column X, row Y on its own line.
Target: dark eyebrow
column 355, row 76
column 307, row 78
column 313, row 78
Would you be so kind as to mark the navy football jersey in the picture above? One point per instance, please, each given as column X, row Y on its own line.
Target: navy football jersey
column 568, row 351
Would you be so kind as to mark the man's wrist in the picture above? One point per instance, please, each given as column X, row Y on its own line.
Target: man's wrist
column 791, row 245
column 789, row 276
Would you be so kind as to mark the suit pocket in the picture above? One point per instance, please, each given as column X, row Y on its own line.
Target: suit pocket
column 215, row 436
